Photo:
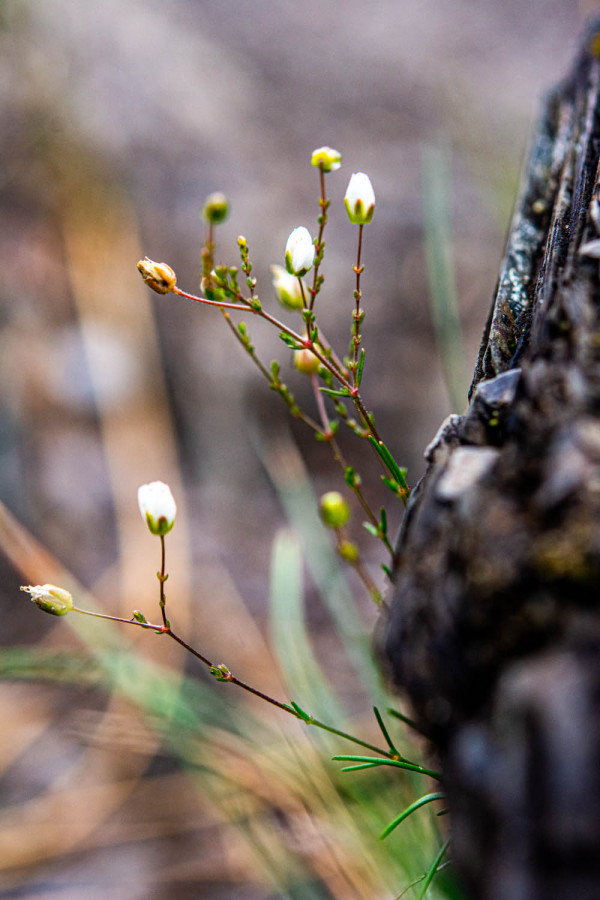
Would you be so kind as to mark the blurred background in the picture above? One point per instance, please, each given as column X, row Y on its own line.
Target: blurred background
column 123, row 768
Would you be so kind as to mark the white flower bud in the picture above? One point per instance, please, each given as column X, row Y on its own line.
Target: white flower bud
column 360, row 199
column 287, row 288
column 299, row 252
column 157, row 507
column 158, row 276
column 326, row 158
column 306, row 361
column 51, row 599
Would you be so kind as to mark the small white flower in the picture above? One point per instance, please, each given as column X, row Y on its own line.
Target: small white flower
column 299, row 252
column 326, row 158
column 287, row 288
column 157, row 507
column 360, row 199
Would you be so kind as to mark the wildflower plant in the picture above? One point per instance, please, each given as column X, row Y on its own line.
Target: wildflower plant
column 336, row 381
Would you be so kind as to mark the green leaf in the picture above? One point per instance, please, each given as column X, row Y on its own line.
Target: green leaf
column 306, row 717
column 422, row 801
column 361, row 365
column 407, row 721
column 397, row 473
column 290, row 341
column 395, row 763
column 384, row 523
column 343, row 393
column 385, row 732
column 350, row 477
column 372, row 529
column 275, row 369
column 433, row 868
column 392, row 484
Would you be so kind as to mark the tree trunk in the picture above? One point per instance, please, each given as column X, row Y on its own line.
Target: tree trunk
column 494, row 630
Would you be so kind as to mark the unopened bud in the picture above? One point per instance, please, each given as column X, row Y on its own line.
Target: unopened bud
column 287, row 288
column 51, row 599
column 360, row 199
column 157, row 507
column 299, row 251
column 221, row 672
column 158, row 276
column 216, row 208
column 327, row 159
column 348, row 551
column 335, row 512
column 306, row 361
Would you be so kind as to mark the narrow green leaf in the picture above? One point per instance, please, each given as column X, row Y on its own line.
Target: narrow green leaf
column 301, row 712
column 361, row 365
column 395, row 763
column 433, row 868
column 422, row 801
column 343, row 393
column 372, row 529
column 290, row 341
column 387, row 458
column 384, row 522
column 385, row 732
column 405, row 719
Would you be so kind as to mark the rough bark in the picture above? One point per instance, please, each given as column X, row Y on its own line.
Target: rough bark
column 494, row 630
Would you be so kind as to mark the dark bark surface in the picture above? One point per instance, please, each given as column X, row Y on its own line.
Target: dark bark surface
column 495, row 623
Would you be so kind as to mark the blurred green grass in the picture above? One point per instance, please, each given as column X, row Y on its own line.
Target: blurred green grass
column 311, row 830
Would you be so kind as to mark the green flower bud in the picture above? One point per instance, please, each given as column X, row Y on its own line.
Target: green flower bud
column 216, row 208
column 158, row 276
column 348, row 551
column 221, row 672
column 51, row 599
column 326, row 158
column 335, row 512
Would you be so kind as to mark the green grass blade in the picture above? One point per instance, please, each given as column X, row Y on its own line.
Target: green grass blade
column 303, row 674
column 422, row 801
column 433, row 868
column 436, row 184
